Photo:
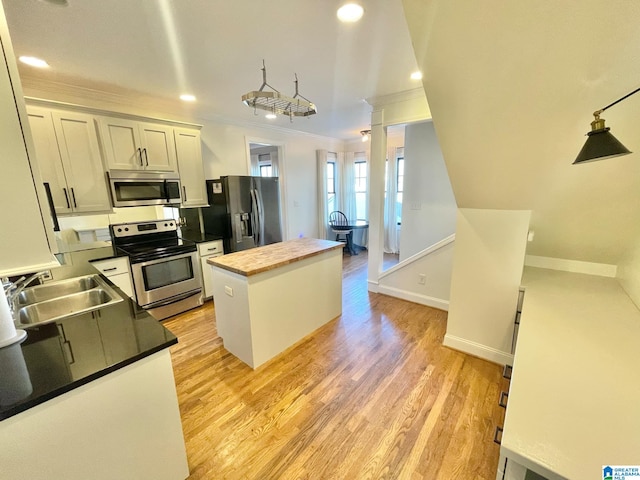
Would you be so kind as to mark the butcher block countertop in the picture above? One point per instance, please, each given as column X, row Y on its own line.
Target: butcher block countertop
column 269, row 257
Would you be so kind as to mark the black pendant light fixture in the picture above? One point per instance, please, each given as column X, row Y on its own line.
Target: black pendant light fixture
column 601, row 143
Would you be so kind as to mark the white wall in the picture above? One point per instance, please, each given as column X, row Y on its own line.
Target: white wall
column 488, row 260
column 403, row 281
column 428, row 205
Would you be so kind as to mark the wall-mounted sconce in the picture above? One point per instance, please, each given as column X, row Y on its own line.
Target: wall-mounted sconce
column 366, row 135
column 601, row 143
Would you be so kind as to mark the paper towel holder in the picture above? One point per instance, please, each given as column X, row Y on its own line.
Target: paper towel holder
column 17, row 338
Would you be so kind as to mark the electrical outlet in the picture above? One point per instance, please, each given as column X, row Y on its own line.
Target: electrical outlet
column 47, row 276
column 422, row 278
column 228, row 290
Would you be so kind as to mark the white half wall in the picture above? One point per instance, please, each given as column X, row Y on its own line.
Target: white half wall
column 428, row 204
column 488, row 260
column 435, row 263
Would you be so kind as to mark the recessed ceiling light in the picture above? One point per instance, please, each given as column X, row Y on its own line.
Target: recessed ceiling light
column 350, row 12
column 187, row 97
column 271, row 116
column 416, row 76
column 33, row 61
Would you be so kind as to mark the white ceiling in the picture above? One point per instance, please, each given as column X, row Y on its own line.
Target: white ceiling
column 214, row 49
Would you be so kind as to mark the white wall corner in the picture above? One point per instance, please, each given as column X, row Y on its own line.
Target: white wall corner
column 373, row 286
column 478, row 350
column 575, row 266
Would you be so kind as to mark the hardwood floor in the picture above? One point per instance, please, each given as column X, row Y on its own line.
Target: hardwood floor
column 373, row 394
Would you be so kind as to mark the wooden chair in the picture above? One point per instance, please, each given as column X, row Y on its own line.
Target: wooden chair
column 339, row 219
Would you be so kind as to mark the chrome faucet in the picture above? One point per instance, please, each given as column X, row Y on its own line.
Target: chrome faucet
column 12, row 290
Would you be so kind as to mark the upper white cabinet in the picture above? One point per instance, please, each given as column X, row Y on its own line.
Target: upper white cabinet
column 134, row 145
column 27, row 238
column 189, row 153
column 68, row 154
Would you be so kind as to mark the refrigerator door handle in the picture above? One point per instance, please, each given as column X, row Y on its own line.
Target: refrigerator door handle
column 260, row 215
column 255, row 221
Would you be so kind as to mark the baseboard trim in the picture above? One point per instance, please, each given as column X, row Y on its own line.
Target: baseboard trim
column 372, row 286
column 478, row 350
column 415, row 297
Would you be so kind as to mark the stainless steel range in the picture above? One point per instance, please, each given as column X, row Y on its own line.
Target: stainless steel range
column 165, row 269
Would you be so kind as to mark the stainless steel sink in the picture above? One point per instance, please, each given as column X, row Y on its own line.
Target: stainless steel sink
column 49, row 291
column 51, row 302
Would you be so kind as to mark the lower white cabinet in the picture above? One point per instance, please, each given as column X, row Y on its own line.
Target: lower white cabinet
column 208, row 250
column 118, row 272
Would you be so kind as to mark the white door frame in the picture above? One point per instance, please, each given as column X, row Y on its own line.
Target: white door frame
column 284, row 224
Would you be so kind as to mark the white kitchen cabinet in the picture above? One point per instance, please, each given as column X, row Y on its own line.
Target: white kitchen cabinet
column 69, row 157
column 189, row 155
column 208, row 250
column 119, row 273
column 135, row 145
column 28, row 241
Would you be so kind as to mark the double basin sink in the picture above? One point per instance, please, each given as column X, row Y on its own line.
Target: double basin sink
column 53, row 301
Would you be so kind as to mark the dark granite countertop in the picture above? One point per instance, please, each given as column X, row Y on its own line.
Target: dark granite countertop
column 199, row 237
column 58, row 357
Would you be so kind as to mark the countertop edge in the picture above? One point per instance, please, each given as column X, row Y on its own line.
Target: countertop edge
column 84, row 380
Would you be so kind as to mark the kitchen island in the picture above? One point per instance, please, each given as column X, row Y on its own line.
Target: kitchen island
column 91, row 396
column 268, row 298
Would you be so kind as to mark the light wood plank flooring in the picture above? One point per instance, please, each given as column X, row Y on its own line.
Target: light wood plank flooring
column 371, row 395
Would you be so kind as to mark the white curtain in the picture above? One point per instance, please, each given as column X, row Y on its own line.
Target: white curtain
column 255, row 168
column 274, row 163
column 349, row 186
column 391, row 234
column 323, row 215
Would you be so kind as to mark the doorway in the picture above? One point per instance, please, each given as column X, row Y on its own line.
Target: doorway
column 265, row 158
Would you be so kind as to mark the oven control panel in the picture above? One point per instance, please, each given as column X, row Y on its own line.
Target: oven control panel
column 121, row 230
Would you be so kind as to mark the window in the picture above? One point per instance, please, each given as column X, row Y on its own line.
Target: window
column 264, row 162
column 331, row 183
column 361, row 189
column 266, row 170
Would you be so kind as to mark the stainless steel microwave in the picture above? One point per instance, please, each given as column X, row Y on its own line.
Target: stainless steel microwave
column 134, row 189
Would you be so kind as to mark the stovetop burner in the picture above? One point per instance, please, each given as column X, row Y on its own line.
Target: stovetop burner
column 143, row 241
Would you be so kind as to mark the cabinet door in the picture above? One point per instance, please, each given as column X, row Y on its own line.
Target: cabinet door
column 189, row 153
column 26, row 248
column 81, row 336
column 48, row 157
column 207, row 275
column 121, row 143
column 158, row 147
column 80, row 153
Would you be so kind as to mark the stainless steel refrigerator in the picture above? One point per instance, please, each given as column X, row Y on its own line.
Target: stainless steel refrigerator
column 244, row 211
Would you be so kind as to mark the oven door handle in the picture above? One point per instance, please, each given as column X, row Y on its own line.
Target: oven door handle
column 175, row 299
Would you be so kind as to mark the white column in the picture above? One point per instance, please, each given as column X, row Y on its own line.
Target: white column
column 376, row 198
